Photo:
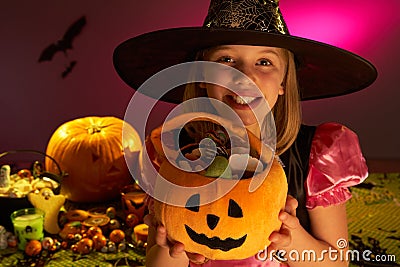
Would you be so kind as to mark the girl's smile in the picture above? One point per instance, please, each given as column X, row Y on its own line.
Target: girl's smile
column 241, row 102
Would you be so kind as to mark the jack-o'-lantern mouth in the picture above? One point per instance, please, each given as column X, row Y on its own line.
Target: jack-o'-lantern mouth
column 215, row 242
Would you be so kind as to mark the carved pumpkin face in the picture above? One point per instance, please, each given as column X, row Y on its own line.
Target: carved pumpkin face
column 133, row 201
column 235, row 226
column 91, row 151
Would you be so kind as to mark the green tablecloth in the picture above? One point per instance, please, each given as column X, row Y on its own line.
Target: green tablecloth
column 63, row 258
column 374, row 219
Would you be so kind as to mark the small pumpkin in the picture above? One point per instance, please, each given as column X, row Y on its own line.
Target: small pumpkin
column 84, row 246
column 117, row 236
column 235, row 226
column 33, row 247
column 99, row 241
column 91, row 151
column 94, row 230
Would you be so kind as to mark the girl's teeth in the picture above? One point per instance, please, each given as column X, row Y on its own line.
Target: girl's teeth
column 243, row 99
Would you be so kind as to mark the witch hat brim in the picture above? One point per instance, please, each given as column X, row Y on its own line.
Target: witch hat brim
column 323, row 70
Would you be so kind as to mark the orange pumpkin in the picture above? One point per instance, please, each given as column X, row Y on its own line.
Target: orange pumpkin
column 235, row 226
column 91, row 151
column 99, row 241
column 117, row 236
column 85, row 245
column 33, row 248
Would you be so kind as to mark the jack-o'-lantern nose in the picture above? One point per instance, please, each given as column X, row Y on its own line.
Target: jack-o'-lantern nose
column 212, row 221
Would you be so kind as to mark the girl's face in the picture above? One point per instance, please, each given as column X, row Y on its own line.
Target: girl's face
column 265, row 66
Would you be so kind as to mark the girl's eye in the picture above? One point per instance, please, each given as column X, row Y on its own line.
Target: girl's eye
column 225, row 60
column 264, row 62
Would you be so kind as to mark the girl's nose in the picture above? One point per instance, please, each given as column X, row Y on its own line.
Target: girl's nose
column 246, row 76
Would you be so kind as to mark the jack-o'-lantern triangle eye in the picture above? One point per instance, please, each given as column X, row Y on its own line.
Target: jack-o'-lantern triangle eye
column 193, row 203
column 234, row 210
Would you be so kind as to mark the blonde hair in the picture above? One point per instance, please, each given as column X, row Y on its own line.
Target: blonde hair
column 287, row 109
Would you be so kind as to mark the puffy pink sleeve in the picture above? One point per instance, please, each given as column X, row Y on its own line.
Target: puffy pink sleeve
column 336, row 163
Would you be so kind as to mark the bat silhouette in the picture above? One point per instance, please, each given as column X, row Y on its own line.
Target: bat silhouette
column 65, row 43
column 68, row 69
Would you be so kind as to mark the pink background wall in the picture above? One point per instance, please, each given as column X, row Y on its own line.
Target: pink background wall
column 35, row 100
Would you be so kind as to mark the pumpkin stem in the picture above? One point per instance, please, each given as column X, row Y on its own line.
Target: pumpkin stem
column 94, row 129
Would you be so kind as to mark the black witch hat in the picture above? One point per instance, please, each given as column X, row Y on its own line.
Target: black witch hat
column 323, row 70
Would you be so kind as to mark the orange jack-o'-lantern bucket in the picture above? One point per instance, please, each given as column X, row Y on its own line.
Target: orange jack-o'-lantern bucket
column 223, row 212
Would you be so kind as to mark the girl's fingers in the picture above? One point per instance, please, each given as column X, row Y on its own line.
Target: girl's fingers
column 289, row 221
column 161, row 236
column 196, row 258
column 291, row 205
column 282, row 238
column 176, row 250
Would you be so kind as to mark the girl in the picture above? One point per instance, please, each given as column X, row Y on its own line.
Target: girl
column 320, row 162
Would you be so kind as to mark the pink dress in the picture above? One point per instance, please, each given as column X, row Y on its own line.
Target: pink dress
column 336, row 163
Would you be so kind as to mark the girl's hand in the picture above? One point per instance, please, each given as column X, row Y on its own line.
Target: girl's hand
column 176, row 249
column 290, row 222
